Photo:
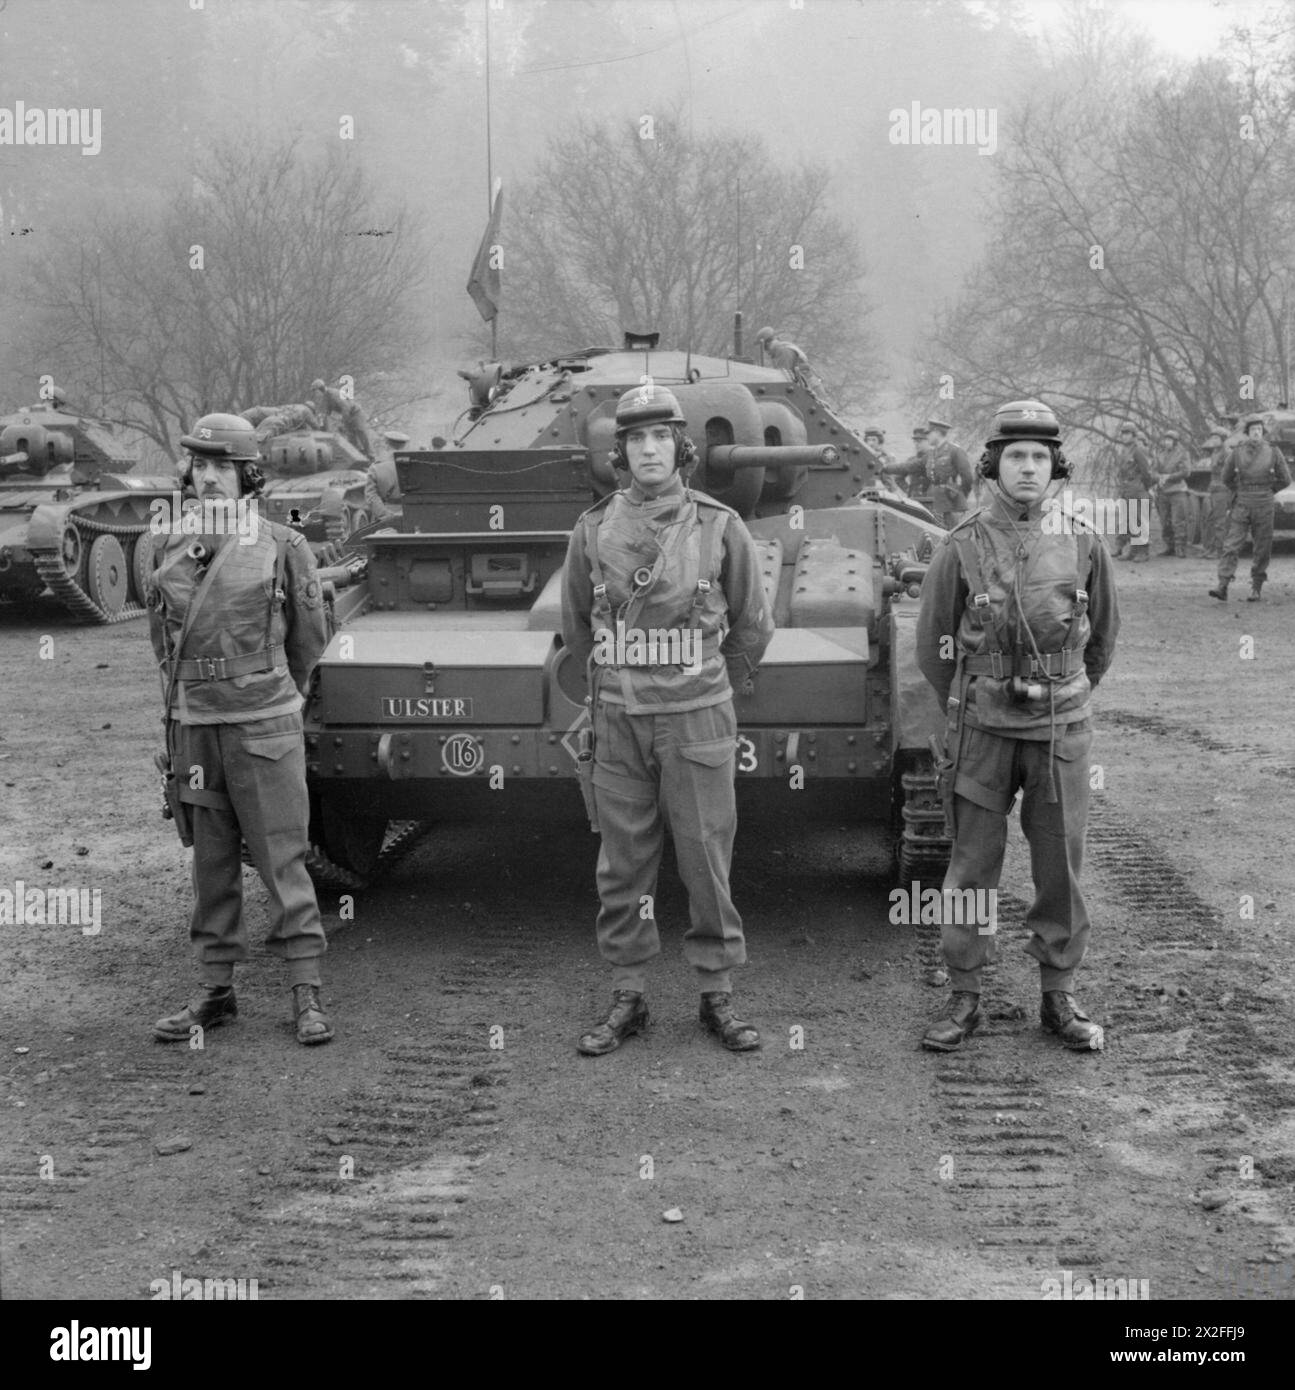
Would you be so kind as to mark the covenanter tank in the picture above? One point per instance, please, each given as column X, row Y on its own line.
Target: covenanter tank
column 447, row 694
column 71, row 520
column 314, row 482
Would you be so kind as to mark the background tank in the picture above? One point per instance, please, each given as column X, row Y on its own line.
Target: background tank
column 70, row 518
column 320, row 476
column 447, row 692
column 1279, row 426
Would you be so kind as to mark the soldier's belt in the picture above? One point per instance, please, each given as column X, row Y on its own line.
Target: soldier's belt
column 1001, row 666
column 1264, row 491
column 223, row 668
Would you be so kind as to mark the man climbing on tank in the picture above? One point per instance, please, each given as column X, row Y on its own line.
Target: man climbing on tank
column 657, row 555
column 1017, row 626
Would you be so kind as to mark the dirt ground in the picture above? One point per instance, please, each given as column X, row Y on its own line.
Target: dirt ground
column 451, row 1144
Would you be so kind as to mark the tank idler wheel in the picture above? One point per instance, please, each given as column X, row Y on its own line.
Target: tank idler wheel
column 71, row 549
column 107, row 578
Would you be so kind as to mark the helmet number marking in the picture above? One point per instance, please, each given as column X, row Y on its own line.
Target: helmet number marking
column 748, row 760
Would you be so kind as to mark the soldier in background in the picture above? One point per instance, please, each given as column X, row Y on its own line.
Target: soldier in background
column 237, row 629
column 785, row 355
column 1135, row 479
column 353, row 424
column 912, row 473
column 952, row 477
column 1215, row 510
column 1033, row 616
column 1173, row 463
column 1253, row 472
column 381, row 483
column 282, row 420
column 656, row 555
column 875, row 438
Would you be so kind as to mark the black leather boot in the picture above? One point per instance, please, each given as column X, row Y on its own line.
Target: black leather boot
column 959, row 1019
column 312, row 1022
column 1221, row 592
column 629, row 1015
column 1256, row 591
column 1060, row 1014
column 716, row 1015
column 214, row 1005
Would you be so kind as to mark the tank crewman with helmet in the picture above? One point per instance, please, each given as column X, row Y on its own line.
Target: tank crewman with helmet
column 875, row 438
column 657, row 555
column 1215, row 513
column 952, row 477
column 1253, row 472
column 1173, row 463
column 353, row 425
column 1135, row 479
column 912, row 472
column 1033, row 614
column 788, row 357
column 237, row 629
column 381, row 483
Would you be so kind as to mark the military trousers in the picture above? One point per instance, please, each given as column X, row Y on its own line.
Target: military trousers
column 258, row 771
column 1252, row 514
column 1173, row 510
column 653, row 771
column 990, row 770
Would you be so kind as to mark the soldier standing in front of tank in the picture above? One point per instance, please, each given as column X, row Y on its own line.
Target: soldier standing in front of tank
column 1135, row 479
column 952, row 476
column 249, row 623
column 1173, row 463
column 1253, row 472
column 1032, row 615
column 656, row 555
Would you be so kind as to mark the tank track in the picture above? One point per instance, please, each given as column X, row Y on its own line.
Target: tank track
column 50, row 568
column 402, row 836
column 924, row 848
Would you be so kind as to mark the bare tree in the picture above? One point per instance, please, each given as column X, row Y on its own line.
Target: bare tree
column 673, row 233
column 264, row 274
column 1142, row 266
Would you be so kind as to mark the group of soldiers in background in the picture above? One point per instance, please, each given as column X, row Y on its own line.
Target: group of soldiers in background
column 1212, row 507
column 938, row 473
column 1207, row 508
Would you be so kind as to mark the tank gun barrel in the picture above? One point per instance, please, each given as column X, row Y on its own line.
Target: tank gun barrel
column 772, row 455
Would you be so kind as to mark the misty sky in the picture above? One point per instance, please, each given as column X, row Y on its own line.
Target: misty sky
column 818, row 81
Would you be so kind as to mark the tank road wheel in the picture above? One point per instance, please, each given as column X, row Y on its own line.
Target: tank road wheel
column 106, row 579
column 141, row 565
column 344, row 840
column 71, row 550
column 356, row 518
